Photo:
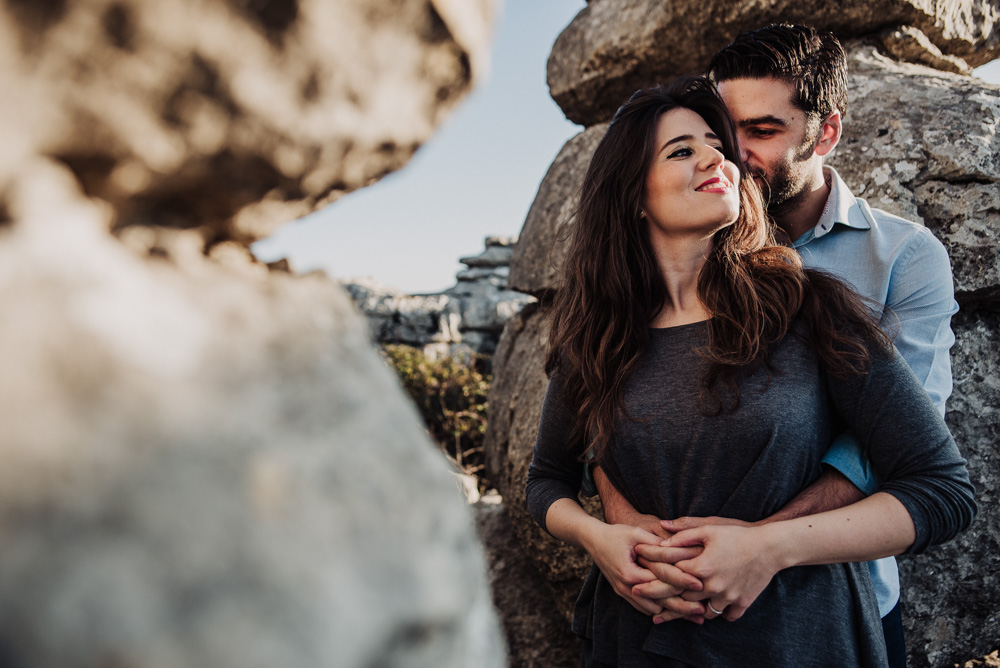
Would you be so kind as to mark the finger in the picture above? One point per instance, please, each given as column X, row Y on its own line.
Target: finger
column 644, row 606
column 655, row 590
column 714, row 609
column 682, row 523
column 734, row 612
column 668, row 554
column 672, row 575
column 689, row 537
column 680, row 607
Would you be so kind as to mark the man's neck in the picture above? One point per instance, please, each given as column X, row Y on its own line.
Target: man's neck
column 801, row 213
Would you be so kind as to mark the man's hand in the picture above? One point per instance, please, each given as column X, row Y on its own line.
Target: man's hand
column 684, row 523
column 617, row 509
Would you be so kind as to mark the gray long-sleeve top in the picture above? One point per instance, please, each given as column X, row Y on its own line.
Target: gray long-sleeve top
column 671, row 460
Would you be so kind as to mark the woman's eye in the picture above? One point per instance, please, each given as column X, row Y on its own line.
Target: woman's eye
column 680, row 153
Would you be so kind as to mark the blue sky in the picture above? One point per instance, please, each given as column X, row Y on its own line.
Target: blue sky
column 476, row 177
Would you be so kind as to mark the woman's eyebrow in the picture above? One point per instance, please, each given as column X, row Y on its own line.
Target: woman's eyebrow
column 708, row 135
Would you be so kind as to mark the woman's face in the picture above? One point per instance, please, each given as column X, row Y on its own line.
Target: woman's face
column 690, row 187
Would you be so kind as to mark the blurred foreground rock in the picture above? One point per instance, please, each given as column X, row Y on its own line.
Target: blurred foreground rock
column 206, row 463
column 919, row 141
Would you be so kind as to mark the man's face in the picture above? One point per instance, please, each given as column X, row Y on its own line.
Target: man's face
column 776, row 137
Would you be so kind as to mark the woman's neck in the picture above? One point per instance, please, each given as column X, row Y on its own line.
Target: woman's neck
column 680, row 263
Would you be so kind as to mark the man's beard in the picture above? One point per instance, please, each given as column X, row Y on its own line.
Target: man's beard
column 786, row 186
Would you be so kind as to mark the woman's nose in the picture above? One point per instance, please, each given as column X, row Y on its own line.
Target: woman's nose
column 712, row 158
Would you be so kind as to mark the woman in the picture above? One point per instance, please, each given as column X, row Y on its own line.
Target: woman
column 705, row 371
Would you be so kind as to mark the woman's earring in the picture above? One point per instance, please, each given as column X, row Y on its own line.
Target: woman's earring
column 642, row 214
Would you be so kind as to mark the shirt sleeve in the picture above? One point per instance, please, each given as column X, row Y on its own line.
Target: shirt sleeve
column 919, row 306
column 845, row 455
column 909, row 446
column 556, row 470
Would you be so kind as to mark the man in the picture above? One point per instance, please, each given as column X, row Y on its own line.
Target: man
column 786, row 89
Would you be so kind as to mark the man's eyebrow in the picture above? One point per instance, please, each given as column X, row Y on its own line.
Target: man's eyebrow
column 708, row 135
column 763, row 120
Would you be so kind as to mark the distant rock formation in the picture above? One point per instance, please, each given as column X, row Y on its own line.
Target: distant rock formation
column 468, row 316
column 206, row 463
column 920, row 140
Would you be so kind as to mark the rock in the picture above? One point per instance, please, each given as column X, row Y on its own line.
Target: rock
column 935, row 159
column 207, row 463
column 466, row 317
column 200, row 471
column 232, row 116
column 910, row 45
column 949, row 593
column 519, row 384
column 543, row 242
column 536, row 633
column 615, row 47
column 493, row 256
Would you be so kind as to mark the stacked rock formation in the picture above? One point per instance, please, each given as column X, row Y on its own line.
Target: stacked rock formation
column 207, row 464
column 920, row 140
column 470, row 316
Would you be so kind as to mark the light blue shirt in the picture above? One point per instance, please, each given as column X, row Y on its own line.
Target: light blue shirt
column 901, row 265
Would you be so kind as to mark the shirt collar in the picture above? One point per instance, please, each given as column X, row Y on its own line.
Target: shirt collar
column 841, row 207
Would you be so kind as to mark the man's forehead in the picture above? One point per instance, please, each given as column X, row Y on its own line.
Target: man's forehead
column 759, row 101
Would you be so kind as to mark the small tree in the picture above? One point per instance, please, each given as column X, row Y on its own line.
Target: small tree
column 452, row 396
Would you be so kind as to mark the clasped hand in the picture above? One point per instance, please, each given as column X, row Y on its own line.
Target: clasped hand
column 673, row 569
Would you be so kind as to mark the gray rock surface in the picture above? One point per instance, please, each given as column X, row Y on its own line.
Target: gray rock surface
column 207, row 463
column 543, row 242
column 537, row 635
column 467, row 316
column 201, row 472
column 614, row 47
column 949, row 593
column 231, row 117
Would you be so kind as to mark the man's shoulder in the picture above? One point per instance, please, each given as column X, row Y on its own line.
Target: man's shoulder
column 896, row 227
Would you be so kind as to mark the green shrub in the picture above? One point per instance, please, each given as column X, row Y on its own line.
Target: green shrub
column 452, row 396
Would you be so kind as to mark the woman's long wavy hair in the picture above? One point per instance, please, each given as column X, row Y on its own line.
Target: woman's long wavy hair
column 612, row 287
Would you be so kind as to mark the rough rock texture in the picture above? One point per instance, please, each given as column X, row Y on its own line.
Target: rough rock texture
column 537, row 634
column 230, row 116
column 206, row 463
column 544, row 237
column 519, row 384
column 949, row 594
column 467, row 316
column 614, row 47
column 919, row 142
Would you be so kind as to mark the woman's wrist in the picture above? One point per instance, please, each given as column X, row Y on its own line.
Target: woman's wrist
column 777, row 545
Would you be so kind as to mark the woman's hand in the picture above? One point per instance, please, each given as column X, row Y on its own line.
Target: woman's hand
column 734, row 566
column 613, row 549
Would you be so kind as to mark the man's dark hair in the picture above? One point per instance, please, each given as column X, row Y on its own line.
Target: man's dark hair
column 813, row 62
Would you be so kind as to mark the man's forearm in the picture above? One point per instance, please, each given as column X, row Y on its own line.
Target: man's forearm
column 830, row 491
column 617, row 509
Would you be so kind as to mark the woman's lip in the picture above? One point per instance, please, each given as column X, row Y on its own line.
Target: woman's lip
column 714, row 184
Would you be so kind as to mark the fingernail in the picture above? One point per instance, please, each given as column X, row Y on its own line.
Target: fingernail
column 657, row 620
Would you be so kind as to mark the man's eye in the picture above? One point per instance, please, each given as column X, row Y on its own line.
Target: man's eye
column 762, row 133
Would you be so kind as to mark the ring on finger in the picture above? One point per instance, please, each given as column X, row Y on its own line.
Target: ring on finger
column 712, row 608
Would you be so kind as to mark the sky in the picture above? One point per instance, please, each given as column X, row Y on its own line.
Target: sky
column 475, row 178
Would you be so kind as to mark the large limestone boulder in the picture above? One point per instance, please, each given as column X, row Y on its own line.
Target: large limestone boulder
column 918, row 142
column 230, row 116
column 614, row 47
column 206, row 463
